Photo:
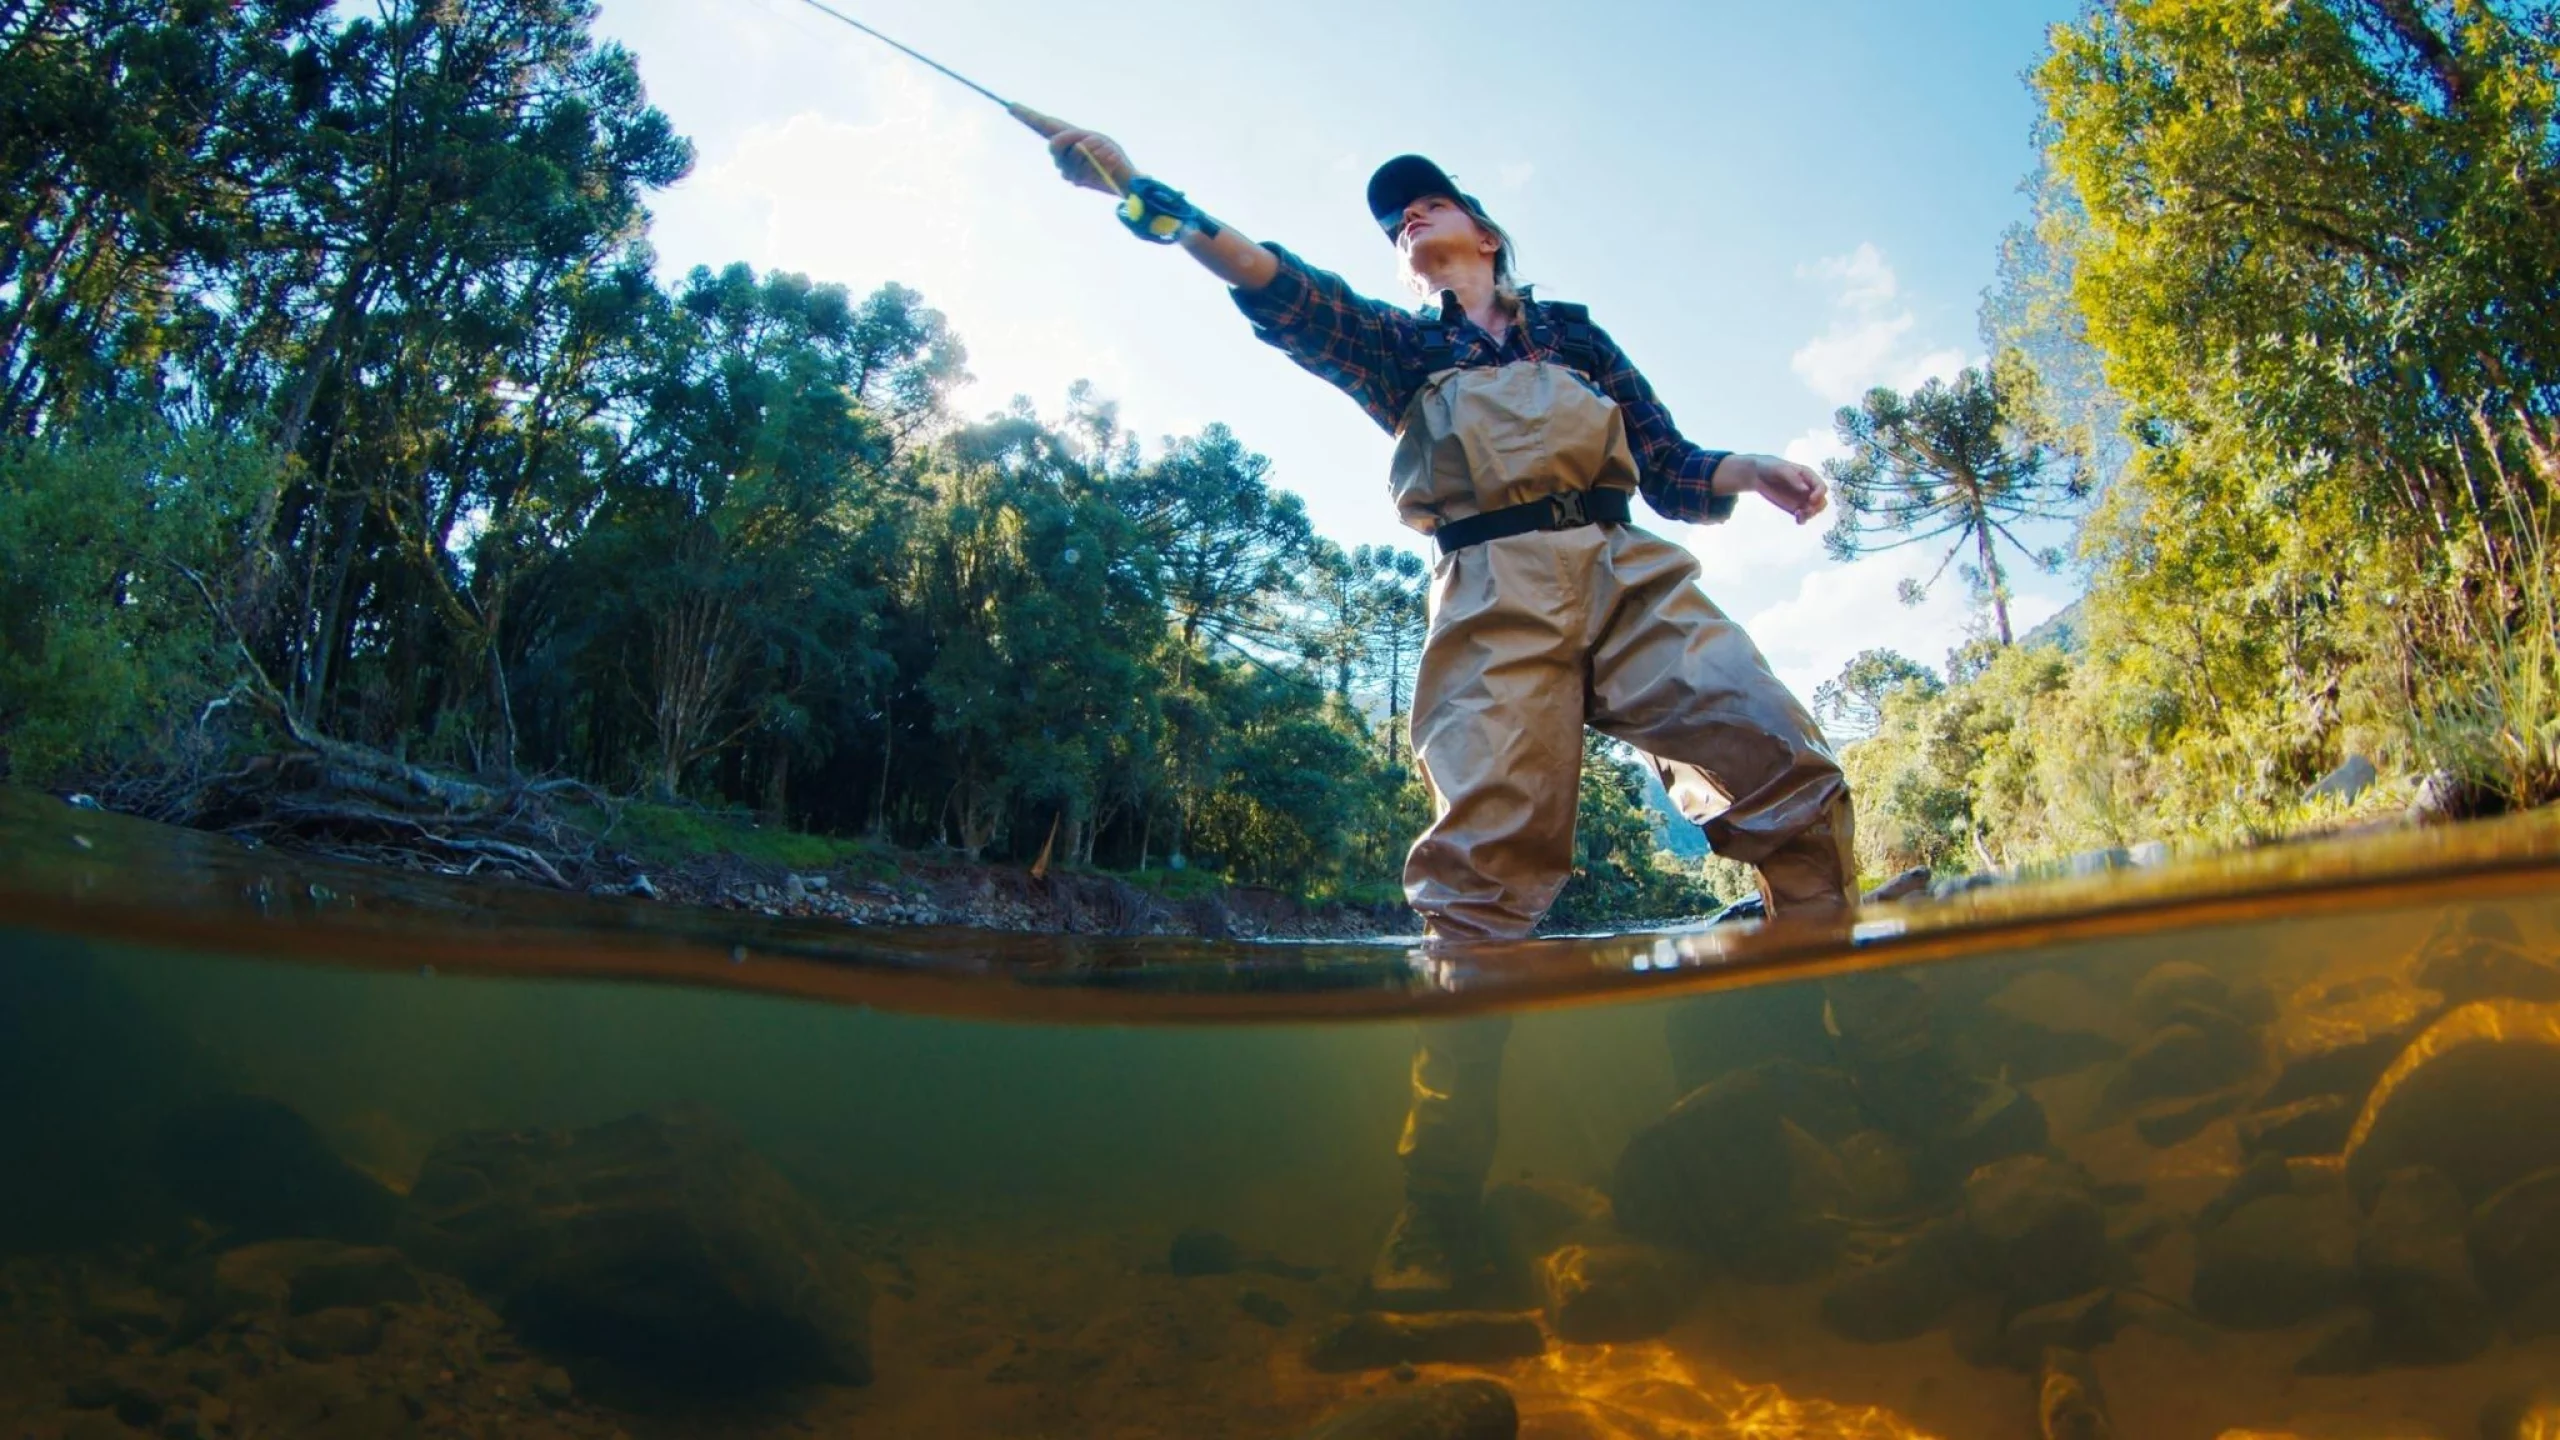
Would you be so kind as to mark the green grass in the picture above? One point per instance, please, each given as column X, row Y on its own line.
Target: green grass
column 1190, row 883
column 669, row 833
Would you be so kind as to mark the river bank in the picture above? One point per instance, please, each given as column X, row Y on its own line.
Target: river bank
column 690, row 855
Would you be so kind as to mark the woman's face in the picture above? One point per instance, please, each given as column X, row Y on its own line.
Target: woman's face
column 1438, row 233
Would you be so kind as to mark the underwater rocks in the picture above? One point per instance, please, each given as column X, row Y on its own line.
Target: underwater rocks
column 1904, row 1294
column 1602, row 1292
column 437, row 1364
column 2477, row 1096
column 2341, row 1048
column 257, row 1169
column 1724, row 1173
column 659, row 1241
column 2165, row 988
column 2019, row 1267
column 2162, row 1126
column 1459, row 1410
column 1196, row 1251
column 2515, row 1237
column 2277, row 1260
column 1375, row 1340
column 2480, row 955
column 2034, row 1230
column 2198, row 1050
column 294, row 1279
column 2315, row 1126
column 2046, row 1023
column 2287, row 1243
column 2415, row 1265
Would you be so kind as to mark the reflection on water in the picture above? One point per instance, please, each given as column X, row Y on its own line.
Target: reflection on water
column 2294, row 1173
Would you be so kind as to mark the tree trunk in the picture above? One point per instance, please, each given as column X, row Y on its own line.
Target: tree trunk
column 1991, row 576
column 776, row 805
column 880, row 793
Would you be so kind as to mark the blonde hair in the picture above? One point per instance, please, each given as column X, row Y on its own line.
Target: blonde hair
column 1505, row 288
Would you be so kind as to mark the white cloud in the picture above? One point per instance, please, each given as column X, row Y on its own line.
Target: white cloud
column 1513, row 175
column 1864, row 279
column 1815, row 446
column 1869, row 340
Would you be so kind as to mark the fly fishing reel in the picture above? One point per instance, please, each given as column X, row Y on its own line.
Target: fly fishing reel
column 1157, row 213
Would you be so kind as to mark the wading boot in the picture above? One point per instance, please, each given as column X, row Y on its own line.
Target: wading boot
column 1432, row 1256
column 1429, row 1259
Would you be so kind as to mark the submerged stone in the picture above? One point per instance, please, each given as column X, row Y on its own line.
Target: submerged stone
column 1902, row 1295
column 2315, row 1126
column 1875, row 1172
column 1375, row 1340
column 338, row 1330
column 2003, row 1122
column 1459, row 1410
column 258, row 1169
column 2343, row 1047
column 2264, row 1176
column 295, row 1277
column 2277, row 1261
column 2034, row 1229
column 1198, row 1251
column 661, row 1240
column 2348, row 1346
column 2181, row 1120
column 2479, row 954
column 2515, row 1235
column 1719, row 1173
column 2202, row 1050
column 1524, row 1219
column 2173, row 984
column 2048, row 1023
column 1608, row 1292
column 2476, row 1096
column 2416, row 1265
column 2081, row 1323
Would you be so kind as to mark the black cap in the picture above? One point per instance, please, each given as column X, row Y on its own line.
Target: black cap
column 1402, row 181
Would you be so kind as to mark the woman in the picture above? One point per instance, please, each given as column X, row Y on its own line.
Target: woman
column 1520, row 431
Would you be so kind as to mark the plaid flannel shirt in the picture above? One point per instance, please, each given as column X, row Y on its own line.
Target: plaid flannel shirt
column 1372, row 351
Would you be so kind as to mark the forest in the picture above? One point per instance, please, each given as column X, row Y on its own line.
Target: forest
column 366, row 484
column 2283, row 337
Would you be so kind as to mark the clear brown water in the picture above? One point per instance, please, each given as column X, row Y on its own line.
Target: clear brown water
column 293, row 1150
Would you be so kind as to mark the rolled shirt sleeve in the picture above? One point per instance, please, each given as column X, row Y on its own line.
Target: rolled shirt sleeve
column 1368, row 349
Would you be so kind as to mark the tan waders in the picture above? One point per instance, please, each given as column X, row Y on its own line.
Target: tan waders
column 1532, row 638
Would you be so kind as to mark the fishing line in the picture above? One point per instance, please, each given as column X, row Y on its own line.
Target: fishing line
column 1152, row 210
column 1018, row 112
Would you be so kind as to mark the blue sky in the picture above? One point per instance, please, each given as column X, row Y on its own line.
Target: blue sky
column 1771, row 207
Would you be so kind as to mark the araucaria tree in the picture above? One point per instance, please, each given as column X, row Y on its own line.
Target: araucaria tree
column 1941, row 464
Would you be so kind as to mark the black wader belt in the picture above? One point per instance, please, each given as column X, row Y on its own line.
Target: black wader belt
column 1570, row 510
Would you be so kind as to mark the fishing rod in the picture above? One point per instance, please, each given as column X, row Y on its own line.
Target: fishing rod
column 1151, row 209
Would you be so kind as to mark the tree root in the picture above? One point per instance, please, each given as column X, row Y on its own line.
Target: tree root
column 357, row 803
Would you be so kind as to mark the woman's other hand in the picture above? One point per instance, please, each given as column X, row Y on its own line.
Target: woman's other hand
column 1799, row 490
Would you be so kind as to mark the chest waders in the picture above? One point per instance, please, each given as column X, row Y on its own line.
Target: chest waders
column 1532, row 637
